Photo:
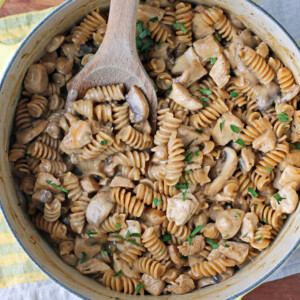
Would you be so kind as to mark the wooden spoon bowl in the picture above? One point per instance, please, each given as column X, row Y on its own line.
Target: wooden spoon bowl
column 117, row 60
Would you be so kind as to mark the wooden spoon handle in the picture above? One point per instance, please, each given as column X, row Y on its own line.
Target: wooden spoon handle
column 120, row 36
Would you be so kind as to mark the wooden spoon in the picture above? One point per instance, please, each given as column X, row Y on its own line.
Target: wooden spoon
column 117, row 61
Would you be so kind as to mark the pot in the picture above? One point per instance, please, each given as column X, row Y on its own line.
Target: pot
column 62, row 19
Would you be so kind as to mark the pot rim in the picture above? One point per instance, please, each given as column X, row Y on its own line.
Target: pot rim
column 6, row 71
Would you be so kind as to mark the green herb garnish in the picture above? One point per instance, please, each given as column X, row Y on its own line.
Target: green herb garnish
column 135, row 234
column 189, row 239
column 146, row 45
column 265, row 221
column 260, row 238
column 162, row 250
column 182, row 186
column 117, row 274
column 244, row 235
column 169, row 90
column 234, row 128
column 222, row 125
column 159, row 45
column 180, row 26
column 144, row 33
column 199, row 130
column 206, row 92
column 153, row 20
column 139, row 26
column 139, row 42
column 188, row 157
column 83, row 257
column 138, row 287
column 183, row 257
column 234, row 94
column 90, row 233
column 184, row 195
column 28, row 197
column 166, row 237
column 28, row 154
column 213, row 245
column 118, row 226
column 188, row 172
column 283, row 117
column 269, row 169
column 157, row 201
column 196, row 230
column 78, row 114
column 133, row 242
column 213, row 60
column 226, row 245
column 104, row 142
column 252, row 192
column 118, row 236
column 278, row 198
column 204, row 102
column 57, row 187
column 240, row 142
column 197, row 152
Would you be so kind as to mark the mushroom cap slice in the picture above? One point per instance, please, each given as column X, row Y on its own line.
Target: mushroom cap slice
column 228, row 167
column 229, row 222
column 139, row 104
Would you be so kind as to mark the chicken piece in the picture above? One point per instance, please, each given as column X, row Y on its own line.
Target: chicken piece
column 289, row 175
column 201, row 29
column 160, row 52
column 180, row 211
column 288, row 199
column 292, row 158
column 153, row 286
column 185, row 60
column 266, row 95
column 224, row 136
column 248, row 229
column 120, row 264
column 89, row 185
column 207, row 48
column 27, row 134
column 43, row 196
column 99, row 208
column 229, row 222
column 265, row 142
column 132, row 227
column 236, row 251
column 291, row 93
column 263, row 50
column 119, row 181
column 193, row 73
column 214, row 254
column 295, row 136
column 41, row 183
column 147, row 12
column 190, row 137
column 248, row 39
column 198, row 244
column 183, row 97
column 92, row 266
column 160, row 153
column 196, row 160
column 82, row 249
column 182, row 285
column 220, row 71
column 247, row 159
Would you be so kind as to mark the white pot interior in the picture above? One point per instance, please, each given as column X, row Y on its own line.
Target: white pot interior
column 64, row 18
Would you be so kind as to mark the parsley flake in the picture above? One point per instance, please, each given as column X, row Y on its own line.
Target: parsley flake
column 57, row 187
column 28, row 154
column 197, row 152
column 238, row 214
column 169, row 90
column 252, row 192
column 162, row 250
column 118, row 226
column 138, row 287
column 222, row 125
column 157, row 202
column 244, row 235
column 166, row 237
column 212, row 243
column 265, row 221
column 180, row 26
column 206, row 92
column 118, row 236
column 133, row 242
column 234, row 94
column 153, row 20
column 234, row 128
column 188, row 172
column 146, row 45
column 213, row 60
column 226, row 245
column 144, row 33
column 199, row 130
column 83, row 257
column 269, row 169
column 104, row 142
column 278, row 198
column 240, row 142
column 188, row 157
column 183, row 257
column 159, row 45
column 90, row 233
column 28, row 197
column 184, row 195
column 196, row 230
column 139, row 26
column 283, row 117
column 189, row 240
column 139, row 42
column 260, row 238
column 117, row 274
column 204, row 102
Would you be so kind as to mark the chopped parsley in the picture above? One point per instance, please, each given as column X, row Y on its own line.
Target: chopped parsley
column 234, row 94
column 188, row 172
column 57, row 187
column 206, row 92
column 157, row 202
column 240, row 142
column 83, row 257
column 133, row 242
column 90, row 233
column 28, row 197
column 106, row 251
column 118, row 226
column 226, row 245
column 135, row 234
column 265, row 221
column 78, row 114
column 104, row 142
column 197, row 152
column 144, row 33
column 283, row 117
column 166, row 237
column 180, row 26
column 139, row 26
column 28, row 154
column 182, row 186
column 159, row 45
column 222, row 125
column 188, row 157
column 196, row 230
column 184, row 195
column 269, row 169
column 189, row 239
column 199, row 130
column 212, row 243
column 204, row 102
column 139, row 42
column 138, row 287
column 118, row 236
column 260, row 238
column 183, row 257
column 252, row 192
column 117, row 274
column 213, row 60
column 162, row 250
column 238, row 214
column 244, row 235
column 234, row 128
column 169, row 90
column 153, row 20
column 146, row 45
column 278, row 198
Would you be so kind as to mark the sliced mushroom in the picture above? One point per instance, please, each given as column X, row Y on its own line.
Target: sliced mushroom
column 220, row 71
column 201, row 219
column 36, row 79
column 295, row 136
column 120, row 264
column 247, row 159
column 182, row 96
column 49, row 61
column 180, row 211
column 160, row 52
column 223, row 132
column 43, row 196
column 55, row 43
column 92, row 266
column 229, row 222
column 99, row 208
column 84, row 250
column 207, row 48
column 27, row 134
column 289, row 199
column 147, row 12
column 200, row 28
column 225, row 274
column 289, row 175
column 190, row 137
column 182, row 285
column 229, row 164
column 265, row 142
column 119, row 181
column 153, row 286
column 236, row 251
column 64, row 65
column 138, row 103
column 250, row 222
column 185, row 60
column 197, row 245
column 143, row 127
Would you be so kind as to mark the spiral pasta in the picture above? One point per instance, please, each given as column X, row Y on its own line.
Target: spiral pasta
column 52, row 211
column 285, row 79
column 267, row 214
column 106, row 93
column 150, row 266
column 180, row 232
column 37, row 105
column 184, row 15
column 39, row 150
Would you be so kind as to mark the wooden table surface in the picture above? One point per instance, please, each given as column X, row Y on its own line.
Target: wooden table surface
column 287, row 288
